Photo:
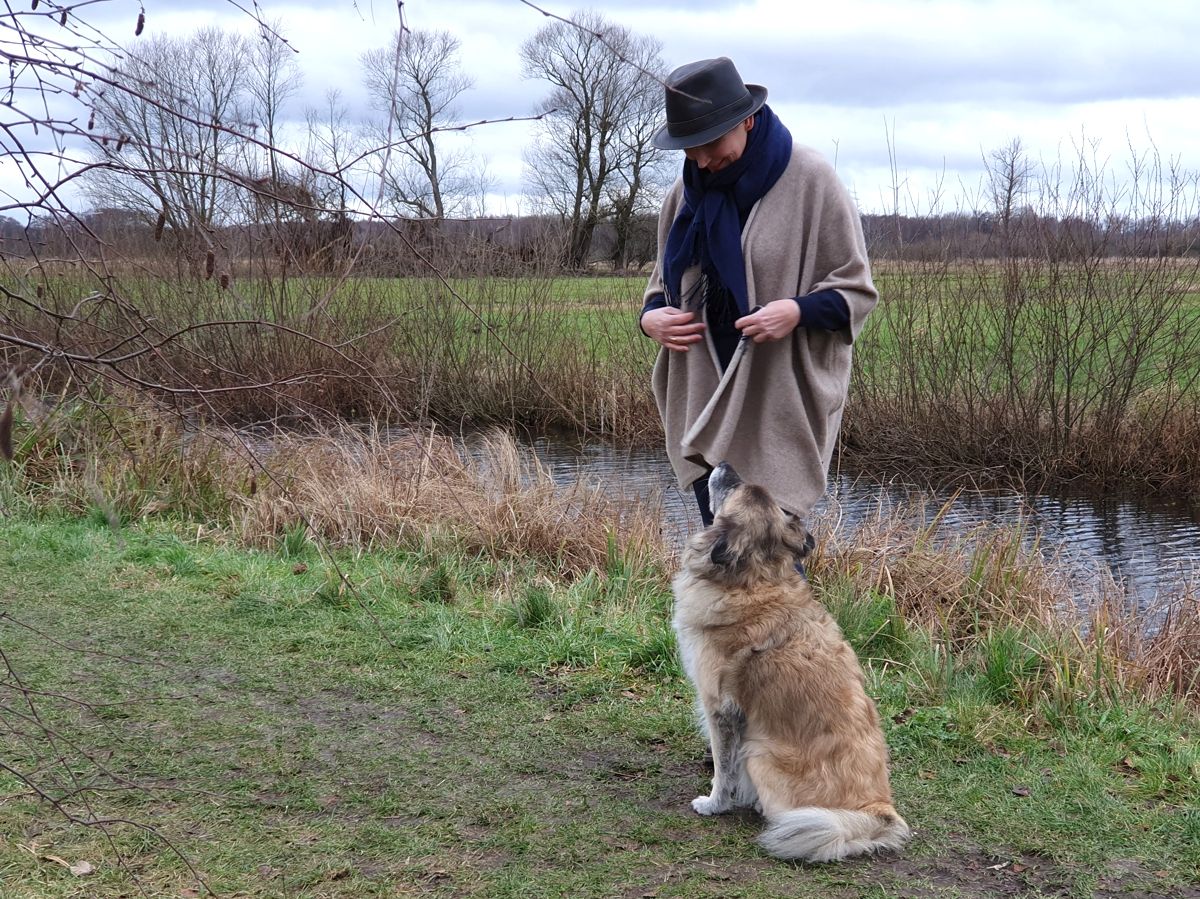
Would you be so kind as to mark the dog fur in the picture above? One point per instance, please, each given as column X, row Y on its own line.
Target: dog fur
column 779, row 690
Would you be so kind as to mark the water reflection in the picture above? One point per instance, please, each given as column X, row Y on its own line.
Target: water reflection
column 1148, row 546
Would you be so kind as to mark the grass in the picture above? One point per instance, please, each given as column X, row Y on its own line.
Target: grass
column 463, row 725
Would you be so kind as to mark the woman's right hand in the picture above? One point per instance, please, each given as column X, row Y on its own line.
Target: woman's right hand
column 673, row 328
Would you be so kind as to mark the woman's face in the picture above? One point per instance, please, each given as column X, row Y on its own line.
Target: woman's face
column 725, row 150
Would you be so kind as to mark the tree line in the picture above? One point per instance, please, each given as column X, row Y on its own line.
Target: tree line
column 191, row 153
column 195, row 141
column 514, row 245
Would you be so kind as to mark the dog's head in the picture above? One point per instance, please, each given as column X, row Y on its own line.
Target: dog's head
column 751, row 538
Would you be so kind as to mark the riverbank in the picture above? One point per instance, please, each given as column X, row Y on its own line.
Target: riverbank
column 1026, row 370
column 370, row 669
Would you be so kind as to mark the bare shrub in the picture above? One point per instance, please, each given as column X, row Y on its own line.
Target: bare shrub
column 1051, row 358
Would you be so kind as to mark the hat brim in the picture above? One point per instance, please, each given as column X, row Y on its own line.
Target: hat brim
column 664, row 141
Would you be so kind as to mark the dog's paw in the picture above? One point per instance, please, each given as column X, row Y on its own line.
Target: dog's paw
column 707, row 805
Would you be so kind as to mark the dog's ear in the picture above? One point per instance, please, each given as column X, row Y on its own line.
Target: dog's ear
column 720, row 553
column 797, row 538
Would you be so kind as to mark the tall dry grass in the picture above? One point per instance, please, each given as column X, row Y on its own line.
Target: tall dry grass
column 365, row 489
column 990, row 592
column 344, row 487
column 533, row 353
column 480, row 349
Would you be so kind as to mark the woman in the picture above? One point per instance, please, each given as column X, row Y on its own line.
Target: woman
column 762, row 284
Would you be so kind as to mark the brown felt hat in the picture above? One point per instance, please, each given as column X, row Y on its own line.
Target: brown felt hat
column 704, row 100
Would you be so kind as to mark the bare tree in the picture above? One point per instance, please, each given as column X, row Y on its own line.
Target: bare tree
column 636, row 191
column 332, row 151
column 165, row 145
column 1009, row 171
column 594, row 150
column 272, row 78
column 414, row 84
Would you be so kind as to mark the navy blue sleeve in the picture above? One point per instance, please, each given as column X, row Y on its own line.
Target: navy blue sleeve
column 656, row 301
column 825, row 310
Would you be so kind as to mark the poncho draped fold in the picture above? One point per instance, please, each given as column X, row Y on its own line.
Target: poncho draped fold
column 775, row 412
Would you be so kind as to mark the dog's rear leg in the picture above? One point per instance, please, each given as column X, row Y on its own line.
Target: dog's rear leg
column 726, row 725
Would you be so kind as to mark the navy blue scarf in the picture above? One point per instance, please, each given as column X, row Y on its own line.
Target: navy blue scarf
column 708, row 226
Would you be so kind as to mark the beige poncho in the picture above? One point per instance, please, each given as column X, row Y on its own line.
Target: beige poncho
column 775, row 413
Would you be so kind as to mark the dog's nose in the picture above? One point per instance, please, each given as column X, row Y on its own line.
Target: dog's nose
column 725, row 475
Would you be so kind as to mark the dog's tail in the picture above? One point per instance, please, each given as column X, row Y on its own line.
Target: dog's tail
column 826, row 834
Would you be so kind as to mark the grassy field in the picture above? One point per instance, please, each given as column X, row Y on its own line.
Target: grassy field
column 467, row 726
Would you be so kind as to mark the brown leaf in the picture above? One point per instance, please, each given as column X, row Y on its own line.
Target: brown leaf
column 6, row 426
column 299, row 568
column 903, row 716
column 82, row 869
column 1022, row 791
column 141, row 23
column 1018, row 868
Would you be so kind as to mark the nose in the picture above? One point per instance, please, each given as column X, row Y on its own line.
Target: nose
column 699, row 156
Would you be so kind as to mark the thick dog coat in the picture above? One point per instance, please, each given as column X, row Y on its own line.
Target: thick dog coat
column 792, row 730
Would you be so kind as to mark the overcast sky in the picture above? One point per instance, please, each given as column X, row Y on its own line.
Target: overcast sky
column 932, row 84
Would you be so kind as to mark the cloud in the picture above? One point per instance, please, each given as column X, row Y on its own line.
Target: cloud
column 921, row 88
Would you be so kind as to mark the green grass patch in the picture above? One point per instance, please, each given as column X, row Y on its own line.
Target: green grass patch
column 459, row 727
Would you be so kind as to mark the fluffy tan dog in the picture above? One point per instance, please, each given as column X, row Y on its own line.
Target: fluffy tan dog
column 792, row 730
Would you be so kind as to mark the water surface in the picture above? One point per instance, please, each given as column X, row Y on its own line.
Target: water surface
column 1148, row 545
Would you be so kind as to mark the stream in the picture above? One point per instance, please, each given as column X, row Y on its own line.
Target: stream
column 1149, row 545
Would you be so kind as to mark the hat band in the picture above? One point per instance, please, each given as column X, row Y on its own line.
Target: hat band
column 700, row 123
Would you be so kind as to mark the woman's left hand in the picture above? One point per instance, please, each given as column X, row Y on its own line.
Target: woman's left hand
column 777, row 319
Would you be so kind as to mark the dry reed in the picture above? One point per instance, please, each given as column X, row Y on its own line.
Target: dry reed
column 368, row 489
column 957, row 584
column 966, row 587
